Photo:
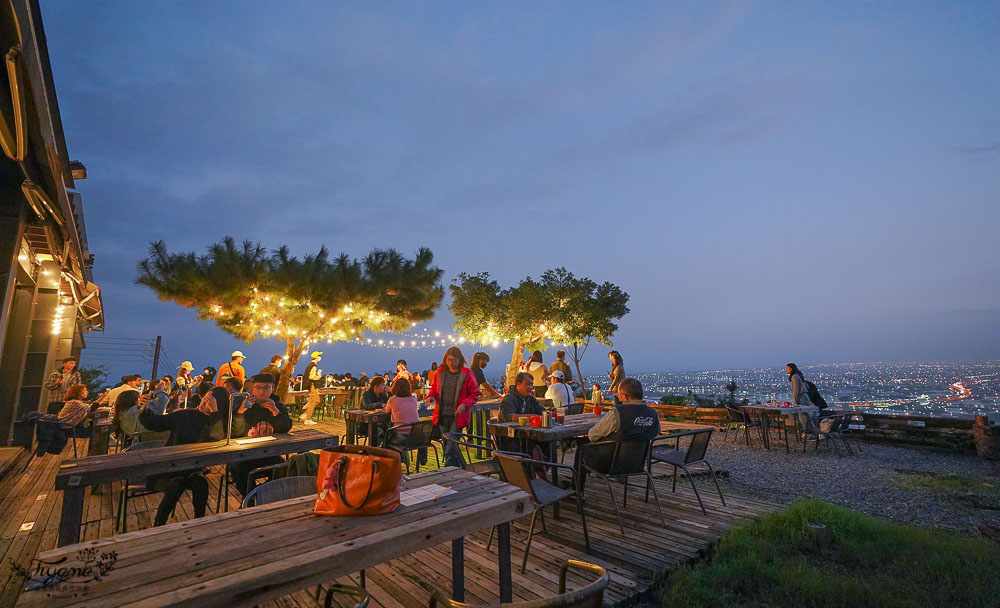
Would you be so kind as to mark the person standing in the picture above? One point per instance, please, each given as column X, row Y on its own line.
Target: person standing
column 311, row 382
column 453, row 395
column 274, row 367
column 486, row 390
column 61, row 379
column 560, row 365
column 538, row 371
column 233, row 369
column 617, row 374
column 432, row 373
column 800, row 396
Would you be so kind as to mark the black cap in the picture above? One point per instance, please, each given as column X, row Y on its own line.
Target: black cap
column 263, row 379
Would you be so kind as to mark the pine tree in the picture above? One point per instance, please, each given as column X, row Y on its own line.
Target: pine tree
column 558, row 307
column 254, row 295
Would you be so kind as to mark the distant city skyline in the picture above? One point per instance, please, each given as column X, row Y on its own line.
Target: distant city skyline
column 769, row 183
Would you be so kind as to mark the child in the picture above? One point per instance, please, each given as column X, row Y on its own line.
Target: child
column 596, row 397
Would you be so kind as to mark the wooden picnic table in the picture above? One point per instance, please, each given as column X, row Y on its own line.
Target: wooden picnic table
column 765, row 411
column 250, row 556
column 574, row 426
column 76, row 474
column 370, row 417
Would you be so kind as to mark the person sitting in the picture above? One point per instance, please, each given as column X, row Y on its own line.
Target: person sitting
column 184, row 426
column 264, row 415
column 559, row 392
column 131, row 405
column 520, row 400
column 403, row 409
column 75, row 409
column 376, row 396
column 629, row 420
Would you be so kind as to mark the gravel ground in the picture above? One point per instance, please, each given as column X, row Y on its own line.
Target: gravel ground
column 863, row 481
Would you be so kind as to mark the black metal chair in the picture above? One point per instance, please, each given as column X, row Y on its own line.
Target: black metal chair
column 468, row 442
column 590, row 595
column 683, row 459
column 125, row 495
column 818, row 429
column 419, row 435
column 574, row 408
column 741, row 421
column 518, row 470
column 619, row 460
column 280, row 489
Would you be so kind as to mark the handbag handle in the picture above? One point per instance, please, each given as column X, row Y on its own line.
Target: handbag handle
column 342, row 471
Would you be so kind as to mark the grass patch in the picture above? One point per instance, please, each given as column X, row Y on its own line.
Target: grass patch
column 918, row 482
column 781, row 560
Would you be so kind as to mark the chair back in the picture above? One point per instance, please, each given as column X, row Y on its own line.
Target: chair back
column 339, row 399
column 54, row 407
column 616, row 458
column 420, row 435
column 698, row 447
column 280, row 489
column 574, row 408
column 736, row 415
column 514, row 472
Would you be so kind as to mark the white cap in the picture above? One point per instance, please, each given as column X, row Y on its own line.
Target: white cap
column 557, row 374
column 186, row 365
column 237, row 353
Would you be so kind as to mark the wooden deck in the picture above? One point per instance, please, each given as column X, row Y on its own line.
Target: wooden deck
column 29, row 514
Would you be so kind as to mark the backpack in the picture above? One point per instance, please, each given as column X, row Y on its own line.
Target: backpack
column 814, row 395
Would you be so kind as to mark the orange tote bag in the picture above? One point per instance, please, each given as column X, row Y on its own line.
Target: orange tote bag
column 357, row 480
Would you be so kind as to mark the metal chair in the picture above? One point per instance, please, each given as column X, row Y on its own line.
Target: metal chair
column 695, row 454
column 124, row 496
column 518, row 470
column 740, row 421
column 589, row 596
column 810, row 428
column 420, row 436
column 280, row 489
column 469, row 441
column 619, row 460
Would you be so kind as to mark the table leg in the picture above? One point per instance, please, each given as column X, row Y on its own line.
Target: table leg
column 71, row 517
column 765, row 429
column 350, row 432
column 553, row 449
column 503, row 562
column 371, row 432
column 784, row 429
column 458, row 569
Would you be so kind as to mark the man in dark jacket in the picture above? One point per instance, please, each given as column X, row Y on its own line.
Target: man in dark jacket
column 519, row 401
column 185, row 426
column 376, row 396
column 265, row 415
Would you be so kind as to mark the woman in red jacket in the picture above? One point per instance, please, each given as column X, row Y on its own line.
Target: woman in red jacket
column 453, row 393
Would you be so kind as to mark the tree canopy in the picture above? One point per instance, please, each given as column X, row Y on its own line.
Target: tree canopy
column 253, row 294
column 559, row 307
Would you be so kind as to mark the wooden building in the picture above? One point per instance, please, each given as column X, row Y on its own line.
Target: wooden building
column 47, row 298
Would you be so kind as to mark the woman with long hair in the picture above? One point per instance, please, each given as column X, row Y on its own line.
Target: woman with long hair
column 617, row 373
column 486, row 390
column 453, row 395
column 539, row 373
column 798, row 383
column 75, row 410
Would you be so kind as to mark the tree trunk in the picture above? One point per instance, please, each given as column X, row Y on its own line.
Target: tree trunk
column 515, row 362
column 576, row 364
column 292, row 353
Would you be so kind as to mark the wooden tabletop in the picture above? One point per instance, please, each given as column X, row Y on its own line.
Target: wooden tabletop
column 577, row 425
column 365, row 415
column 93, row 470
column 250, row 556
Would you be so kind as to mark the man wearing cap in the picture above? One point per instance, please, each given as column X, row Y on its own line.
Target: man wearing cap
column 559, row 392
column 233, row 369
column 265, row 415
column 311, row 382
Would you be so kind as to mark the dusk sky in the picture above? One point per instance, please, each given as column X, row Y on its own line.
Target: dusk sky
column 770, row 182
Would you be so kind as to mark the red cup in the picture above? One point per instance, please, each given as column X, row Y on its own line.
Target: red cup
column 536, row 421
column 597, row 410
